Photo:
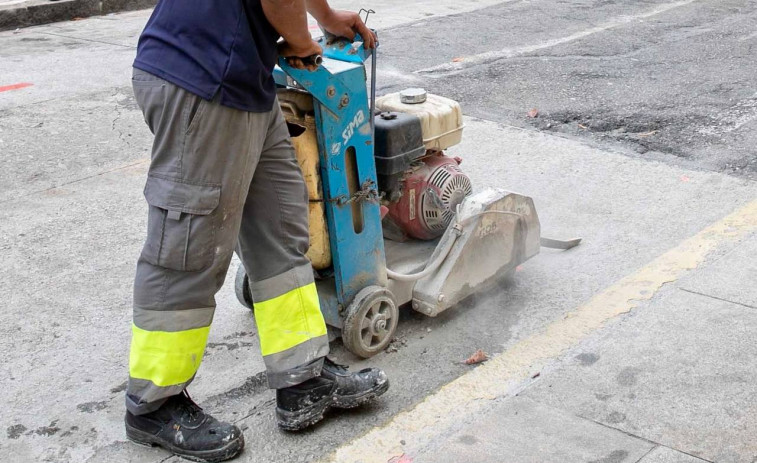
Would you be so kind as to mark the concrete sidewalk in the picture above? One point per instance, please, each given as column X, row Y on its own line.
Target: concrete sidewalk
column 674, row 380
column 24, row 13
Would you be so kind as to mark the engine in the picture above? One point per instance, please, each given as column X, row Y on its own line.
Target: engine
column 431, row 191
column 421, row 186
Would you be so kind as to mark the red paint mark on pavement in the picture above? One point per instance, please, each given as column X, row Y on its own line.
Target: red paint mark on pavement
column 15, row 86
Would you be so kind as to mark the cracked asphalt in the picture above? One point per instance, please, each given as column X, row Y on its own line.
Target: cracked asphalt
column 645, row 135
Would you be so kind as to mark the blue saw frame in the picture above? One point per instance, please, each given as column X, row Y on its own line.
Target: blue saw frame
column 344, row 129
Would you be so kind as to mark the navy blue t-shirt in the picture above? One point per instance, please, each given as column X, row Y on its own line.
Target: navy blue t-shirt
column 225, row 48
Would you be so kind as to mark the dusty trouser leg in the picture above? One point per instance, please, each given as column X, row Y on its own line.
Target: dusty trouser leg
column 203, row 160
column 273, row 241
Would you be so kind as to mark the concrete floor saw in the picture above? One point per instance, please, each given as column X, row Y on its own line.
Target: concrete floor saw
column 393, row 219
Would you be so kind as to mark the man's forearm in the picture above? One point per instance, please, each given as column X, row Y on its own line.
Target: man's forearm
column 289, row 18
column 320, row 9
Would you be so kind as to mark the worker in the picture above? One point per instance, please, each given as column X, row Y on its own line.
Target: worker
column 223, row 177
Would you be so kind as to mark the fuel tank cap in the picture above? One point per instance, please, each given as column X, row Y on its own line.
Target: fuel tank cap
column 413, row 95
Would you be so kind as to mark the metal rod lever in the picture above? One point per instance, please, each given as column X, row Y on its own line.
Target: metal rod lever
column 373, row 97
column 368, row 12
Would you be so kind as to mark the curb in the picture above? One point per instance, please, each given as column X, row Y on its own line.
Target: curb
column 35, row 12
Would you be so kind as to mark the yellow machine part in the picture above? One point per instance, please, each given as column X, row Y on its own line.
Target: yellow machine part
column 298, row 110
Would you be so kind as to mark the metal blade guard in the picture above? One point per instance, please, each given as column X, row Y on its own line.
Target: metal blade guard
column 496, row 231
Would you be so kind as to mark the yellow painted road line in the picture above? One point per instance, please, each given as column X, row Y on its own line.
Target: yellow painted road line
column 471, row 392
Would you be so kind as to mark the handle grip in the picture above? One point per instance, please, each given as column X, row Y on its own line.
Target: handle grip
column 313, row 59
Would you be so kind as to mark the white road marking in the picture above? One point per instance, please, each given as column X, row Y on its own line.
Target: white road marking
column 467, row 62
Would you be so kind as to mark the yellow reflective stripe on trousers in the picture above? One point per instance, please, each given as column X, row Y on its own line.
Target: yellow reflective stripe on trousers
column 289, row 320
column 166, row 358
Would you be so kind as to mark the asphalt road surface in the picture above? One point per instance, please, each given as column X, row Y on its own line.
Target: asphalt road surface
column 672, row 81
column 644, row 134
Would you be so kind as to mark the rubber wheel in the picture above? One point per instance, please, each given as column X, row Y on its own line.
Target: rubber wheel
column 242, row 288
column 370, row 322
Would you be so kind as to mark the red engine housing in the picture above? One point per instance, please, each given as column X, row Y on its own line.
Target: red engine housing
column 431, row 191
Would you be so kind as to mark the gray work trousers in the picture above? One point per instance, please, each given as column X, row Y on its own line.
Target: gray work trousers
column 219, row 177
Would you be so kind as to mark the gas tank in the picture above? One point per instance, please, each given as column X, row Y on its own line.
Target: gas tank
column 441, row 118
column 298, row 110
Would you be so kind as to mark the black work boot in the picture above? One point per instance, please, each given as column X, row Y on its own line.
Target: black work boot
column 303, row 405
column 180, row 426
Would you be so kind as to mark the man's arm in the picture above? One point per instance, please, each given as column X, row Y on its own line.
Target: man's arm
column 289, row 18
column 340, row 23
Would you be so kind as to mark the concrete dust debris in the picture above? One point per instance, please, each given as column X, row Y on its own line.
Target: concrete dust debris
column 395, row 345
column 15, row 431
column 478, row 357
column 91, row 407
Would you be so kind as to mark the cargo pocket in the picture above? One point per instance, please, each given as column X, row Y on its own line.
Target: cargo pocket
column 181, row 224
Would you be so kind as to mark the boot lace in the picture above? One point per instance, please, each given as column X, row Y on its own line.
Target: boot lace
column 189, row 407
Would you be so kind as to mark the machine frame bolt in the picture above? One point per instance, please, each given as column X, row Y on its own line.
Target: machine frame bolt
column 330, row 91
column 441, row 298
column 344, row 101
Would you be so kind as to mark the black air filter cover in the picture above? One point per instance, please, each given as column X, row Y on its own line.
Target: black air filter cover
column 399, row 142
